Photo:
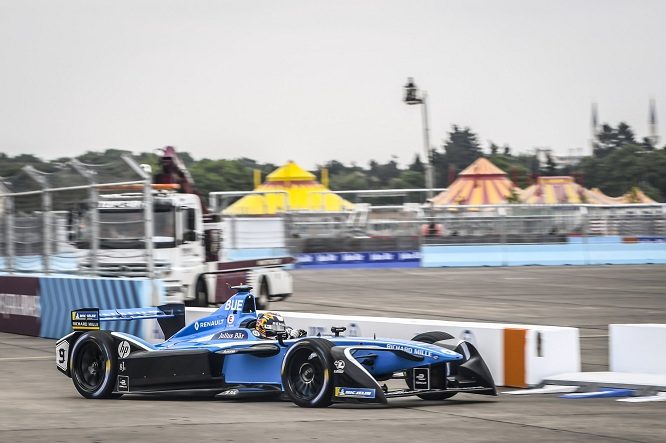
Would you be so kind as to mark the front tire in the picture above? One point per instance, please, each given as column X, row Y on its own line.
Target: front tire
column 307, row 374
column 431, row 337
column 94, row 365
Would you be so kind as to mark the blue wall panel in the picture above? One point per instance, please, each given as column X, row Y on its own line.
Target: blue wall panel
column 60, row 295
column 577, row 251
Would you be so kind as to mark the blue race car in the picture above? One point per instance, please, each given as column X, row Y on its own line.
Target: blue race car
column 223, row 355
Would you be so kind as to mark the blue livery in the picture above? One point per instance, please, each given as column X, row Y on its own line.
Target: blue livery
column 223, row 355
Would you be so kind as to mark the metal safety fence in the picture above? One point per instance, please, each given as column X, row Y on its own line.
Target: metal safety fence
column 50, row 221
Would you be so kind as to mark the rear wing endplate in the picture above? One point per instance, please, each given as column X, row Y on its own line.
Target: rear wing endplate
column 171, row 317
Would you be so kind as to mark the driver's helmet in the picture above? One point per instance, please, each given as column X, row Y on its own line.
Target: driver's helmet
column 269, row 324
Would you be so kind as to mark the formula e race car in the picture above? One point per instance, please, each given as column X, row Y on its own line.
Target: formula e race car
column 223, row 356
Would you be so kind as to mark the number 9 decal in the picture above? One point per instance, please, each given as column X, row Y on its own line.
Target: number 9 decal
column 62, row 354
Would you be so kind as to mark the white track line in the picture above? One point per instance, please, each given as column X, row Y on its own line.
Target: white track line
column 50, row 357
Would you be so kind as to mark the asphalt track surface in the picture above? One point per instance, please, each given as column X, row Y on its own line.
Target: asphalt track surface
column 38, row 403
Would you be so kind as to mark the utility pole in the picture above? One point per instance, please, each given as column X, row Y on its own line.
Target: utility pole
column 415, row 97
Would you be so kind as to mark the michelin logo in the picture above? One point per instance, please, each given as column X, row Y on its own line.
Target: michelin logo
column 354, row 392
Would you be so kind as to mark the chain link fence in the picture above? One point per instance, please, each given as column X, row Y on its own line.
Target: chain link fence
column 407, row 227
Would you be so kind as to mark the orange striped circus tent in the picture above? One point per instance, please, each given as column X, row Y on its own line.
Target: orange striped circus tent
column 481, row 183
column 562, row 190
column 292, row 188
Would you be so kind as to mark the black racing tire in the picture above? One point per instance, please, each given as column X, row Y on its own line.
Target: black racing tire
column 430, row 337
column 200, row 294
column 307, row 373
column 262, row 299
column 94, row 365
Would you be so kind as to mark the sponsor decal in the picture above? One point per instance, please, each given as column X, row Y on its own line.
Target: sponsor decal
column 381, row 256
column 421, row 378
column 121, row 367
column 354, row 392
column 230, row 393
column 256, row 333
column 207, row 324
column 326, row 258
column 20, row 305
column 231, row 335
column 85, row 320
column 352, row 256
column 339, row 367
column 228, row 351
column 123, row 383
column 468, row 336
column 410, row 350
column 230, row 319
column 305, row 258
column 120, row 204
column 62, row 354
column 123, row 349
column 269, row 262
column 409, row 256
column 316, row 330
column 234, row 304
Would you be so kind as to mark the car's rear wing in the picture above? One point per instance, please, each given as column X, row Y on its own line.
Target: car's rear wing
column 171, row 317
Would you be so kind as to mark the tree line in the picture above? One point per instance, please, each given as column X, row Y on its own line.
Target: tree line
column 619, row 162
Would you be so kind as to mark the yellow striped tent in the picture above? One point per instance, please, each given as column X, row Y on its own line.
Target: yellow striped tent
column 289, row 187
column 563, row 190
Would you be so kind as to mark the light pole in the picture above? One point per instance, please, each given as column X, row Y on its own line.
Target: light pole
column 415, row 97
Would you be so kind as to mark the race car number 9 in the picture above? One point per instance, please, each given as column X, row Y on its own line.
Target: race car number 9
column 62, row 353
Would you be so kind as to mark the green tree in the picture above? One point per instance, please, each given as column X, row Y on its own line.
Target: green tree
column 462, row 147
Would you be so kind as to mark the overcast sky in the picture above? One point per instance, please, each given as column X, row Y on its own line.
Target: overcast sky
column 318, row 80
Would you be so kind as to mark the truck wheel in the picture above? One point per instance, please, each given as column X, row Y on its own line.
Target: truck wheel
column 200, row 294
column 436, row 379
column 94, row 365
column 307, row 376
column 262, row 299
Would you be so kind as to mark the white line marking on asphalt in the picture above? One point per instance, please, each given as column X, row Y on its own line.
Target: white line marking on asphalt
column 44, row 357
column 519, row 278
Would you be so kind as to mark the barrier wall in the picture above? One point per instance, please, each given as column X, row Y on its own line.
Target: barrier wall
column 637, row 348
column 41, row 305
column 577, row 251
column 517, row 355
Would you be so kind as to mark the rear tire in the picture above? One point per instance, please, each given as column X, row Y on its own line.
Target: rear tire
column 262, row 300
column 430, row 337
column 307, row 374
column 94, row 365
column 200, row 294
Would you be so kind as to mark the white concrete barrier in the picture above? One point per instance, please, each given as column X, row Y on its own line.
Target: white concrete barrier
column 517, row 355
column 637, row 348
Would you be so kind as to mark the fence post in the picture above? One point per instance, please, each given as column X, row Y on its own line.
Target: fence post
column 9, row 234
column 148, row 227
column 94, row 229
column 586, row 227
column 46, row 230
column 501, row 211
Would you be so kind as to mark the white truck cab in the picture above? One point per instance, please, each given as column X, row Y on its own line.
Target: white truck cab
column 186, row 249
